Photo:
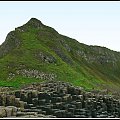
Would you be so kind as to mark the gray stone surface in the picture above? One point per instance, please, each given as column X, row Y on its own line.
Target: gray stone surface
column 57, row 99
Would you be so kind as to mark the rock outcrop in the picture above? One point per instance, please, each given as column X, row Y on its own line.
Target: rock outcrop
column 36, row 74
column 45, row 57
column 57, row 99
column 32, row 73
column 98, row 55
column 12, row 41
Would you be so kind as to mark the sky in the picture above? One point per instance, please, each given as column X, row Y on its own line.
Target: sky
column 91, row 23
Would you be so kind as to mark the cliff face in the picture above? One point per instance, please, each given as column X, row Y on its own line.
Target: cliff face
column 35, row 52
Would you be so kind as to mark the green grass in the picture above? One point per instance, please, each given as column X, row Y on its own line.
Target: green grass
column 80, row 72
column 19, row 81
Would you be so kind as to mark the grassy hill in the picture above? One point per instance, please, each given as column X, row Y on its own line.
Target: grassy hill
column 35, row 52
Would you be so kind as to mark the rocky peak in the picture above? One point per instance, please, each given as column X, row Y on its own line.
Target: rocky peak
column 35, row 23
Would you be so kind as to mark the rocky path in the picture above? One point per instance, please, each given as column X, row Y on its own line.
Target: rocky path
column 56, row 99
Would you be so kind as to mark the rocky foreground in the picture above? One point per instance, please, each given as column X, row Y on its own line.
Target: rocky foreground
column 55, row 99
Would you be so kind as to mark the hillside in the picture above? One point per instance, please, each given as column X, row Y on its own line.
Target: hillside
column 35, row 52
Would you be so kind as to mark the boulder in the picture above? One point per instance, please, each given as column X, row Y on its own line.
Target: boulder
column 2, row 112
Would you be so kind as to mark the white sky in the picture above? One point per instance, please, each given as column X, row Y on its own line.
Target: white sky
column 92, row 23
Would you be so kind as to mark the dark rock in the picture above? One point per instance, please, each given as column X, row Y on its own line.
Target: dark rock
column 2, row 112
column 48, row 100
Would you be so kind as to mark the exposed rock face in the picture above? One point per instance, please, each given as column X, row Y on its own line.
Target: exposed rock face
column 32, row 73
column 35, row 23
column 36, row 74
column 45, row 57
column 12, row 41
column 66, row 46
column 57, row 99
column 63, row 56
column 98, row 55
